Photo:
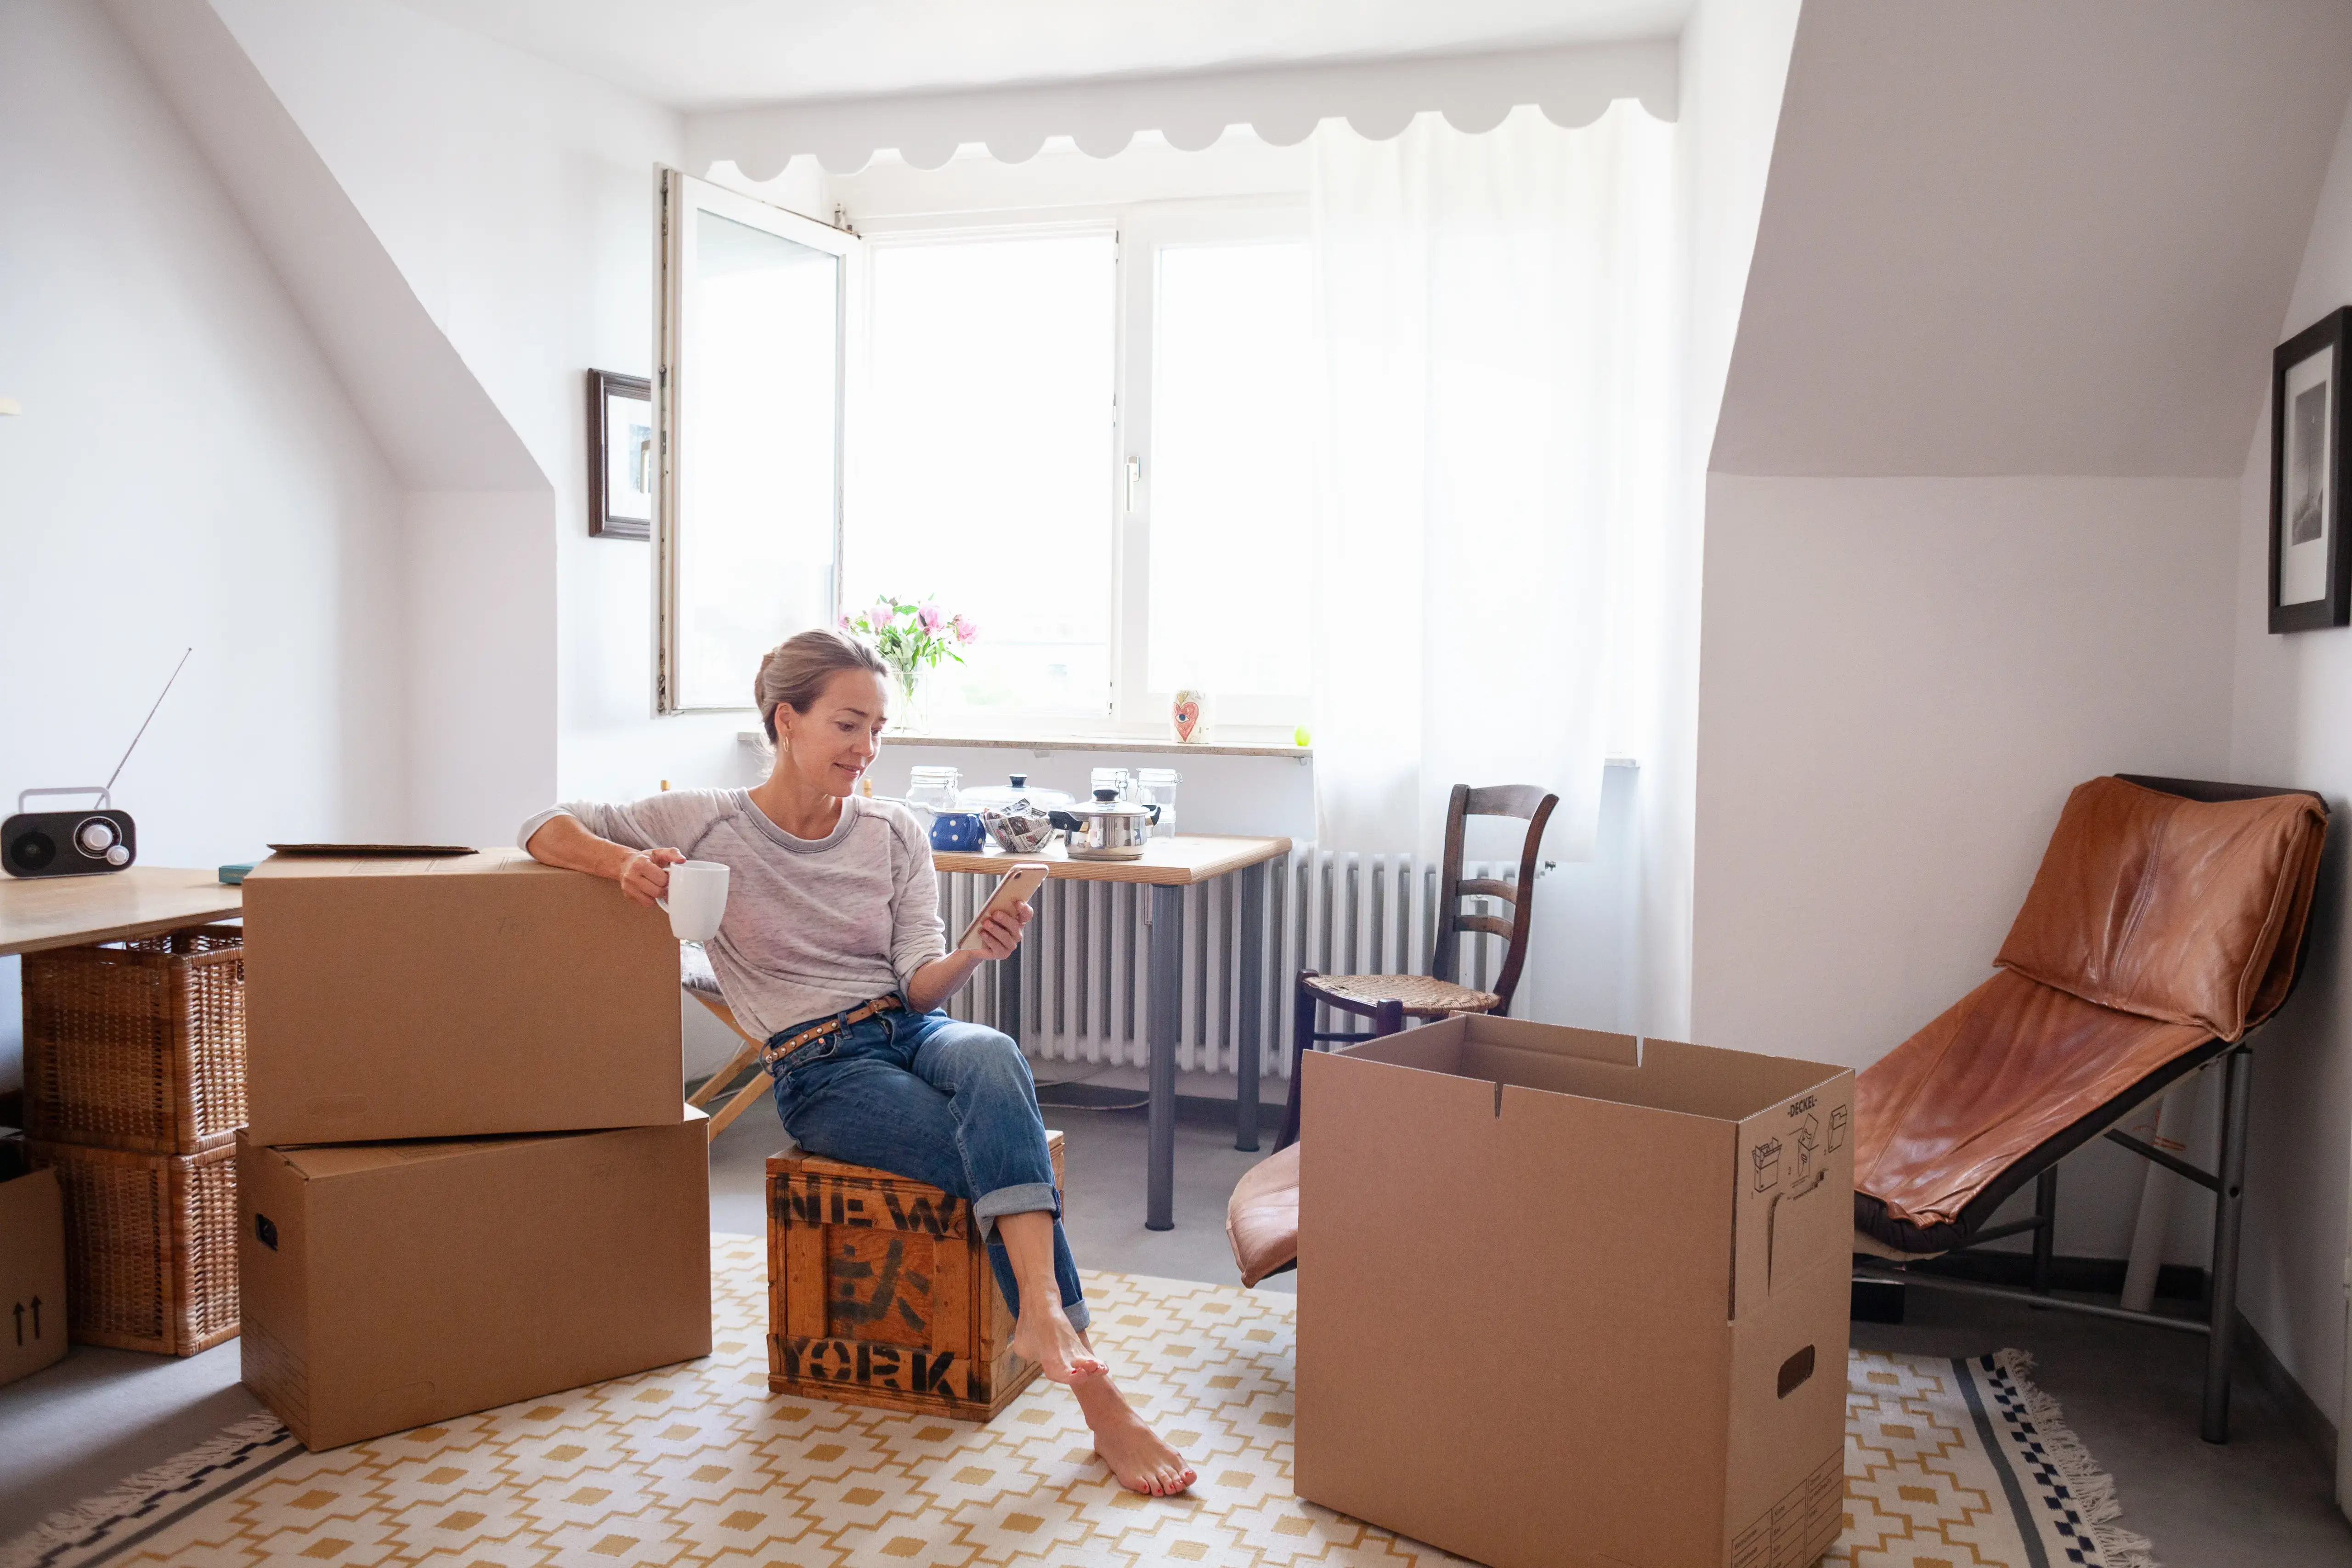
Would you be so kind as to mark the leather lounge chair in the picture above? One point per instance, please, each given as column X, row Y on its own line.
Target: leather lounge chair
column 2167, row 922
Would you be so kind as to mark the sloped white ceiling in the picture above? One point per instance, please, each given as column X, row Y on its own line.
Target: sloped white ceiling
column 437, row 426
column 717, row 54
column 2013, row 236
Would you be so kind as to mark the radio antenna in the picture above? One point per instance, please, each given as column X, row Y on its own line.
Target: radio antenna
column 149, row 720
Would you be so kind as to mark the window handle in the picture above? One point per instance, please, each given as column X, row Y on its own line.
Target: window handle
column 1134, row 480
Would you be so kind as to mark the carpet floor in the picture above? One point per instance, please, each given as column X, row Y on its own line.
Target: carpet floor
column 1947, row 1463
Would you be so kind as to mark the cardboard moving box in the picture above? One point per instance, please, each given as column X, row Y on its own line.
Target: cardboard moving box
column 32, row 1274
column 465, row 995
column 1568, row 1297
column 389, row 1285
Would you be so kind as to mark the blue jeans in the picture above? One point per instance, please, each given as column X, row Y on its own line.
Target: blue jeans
column 922, row 1096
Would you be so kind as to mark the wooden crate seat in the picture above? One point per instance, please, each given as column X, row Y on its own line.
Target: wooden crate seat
column 879, row 1293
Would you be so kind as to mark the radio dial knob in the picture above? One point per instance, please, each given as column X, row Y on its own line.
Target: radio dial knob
column 96, row 836
column 119, row 855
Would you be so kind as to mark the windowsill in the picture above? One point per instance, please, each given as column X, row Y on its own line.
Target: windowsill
column 1049, row 745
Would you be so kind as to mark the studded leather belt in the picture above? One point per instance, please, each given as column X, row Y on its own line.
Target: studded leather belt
column 774, row 1054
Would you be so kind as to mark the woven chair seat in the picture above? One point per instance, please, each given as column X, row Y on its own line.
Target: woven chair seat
column 1423, row 995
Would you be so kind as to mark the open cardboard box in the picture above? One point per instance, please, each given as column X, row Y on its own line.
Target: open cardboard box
column 387, row 1285
column 1574, row 1297
column 451, row 997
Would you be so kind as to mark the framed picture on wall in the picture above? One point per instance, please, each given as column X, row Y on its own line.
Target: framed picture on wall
column 2310, row 560
column 620, row 473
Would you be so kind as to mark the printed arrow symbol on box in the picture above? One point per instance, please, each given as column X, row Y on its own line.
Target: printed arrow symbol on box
column 37, row 1317
column 20, row 1322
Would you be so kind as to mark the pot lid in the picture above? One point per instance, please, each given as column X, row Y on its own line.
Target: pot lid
column 1012, row 793
column 1107, row 803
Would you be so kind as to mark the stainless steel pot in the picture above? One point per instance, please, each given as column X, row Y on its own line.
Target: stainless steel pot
column 1107, row 827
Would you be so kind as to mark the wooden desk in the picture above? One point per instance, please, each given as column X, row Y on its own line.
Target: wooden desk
column 38, row 913
column 1168, row 866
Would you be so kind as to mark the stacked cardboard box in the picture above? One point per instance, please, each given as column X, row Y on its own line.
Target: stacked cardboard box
column 32, row 1273
column 467, row 1178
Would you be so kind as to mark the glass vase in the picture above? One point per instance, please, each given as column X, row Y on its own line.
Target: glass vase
column 909, row 704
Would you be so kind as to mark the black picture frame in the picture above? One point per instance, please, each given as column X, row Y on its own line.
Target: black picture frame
column 615, row 512
column 2311, row 474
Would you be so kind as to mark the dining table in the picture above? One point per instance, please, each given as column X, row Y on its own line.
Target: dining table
column 1168, row 865
column 41, row 912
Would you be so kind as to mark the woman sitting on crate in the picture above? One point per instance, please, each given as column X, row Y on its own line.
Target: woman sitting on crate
column 833, row 950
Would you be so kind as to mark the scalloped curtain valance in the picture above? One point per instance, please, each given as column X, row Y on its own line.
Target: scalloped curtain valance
column 1573, row 85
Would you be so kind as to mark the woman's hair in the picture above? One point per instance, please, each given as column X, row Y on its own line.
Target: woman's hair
column 796, row 671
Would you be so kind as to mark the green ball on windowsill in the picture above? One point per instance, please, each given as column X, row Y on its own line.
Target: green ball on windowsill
column 1300, row 738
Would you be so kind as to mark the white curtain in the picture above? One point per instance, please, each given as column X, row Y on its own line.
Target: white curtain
column 1497, row 321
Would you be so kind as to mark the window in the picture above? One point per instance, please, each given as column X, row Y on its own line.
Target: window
column 982, row 459
column 748, row 401
column 1088, row 433
column 1222, row 443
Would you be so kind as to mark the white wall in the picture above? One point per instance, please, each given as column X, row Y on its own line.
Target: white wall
column 481, row 641
column 1903, row 676
column 187, row 471
column 517, row 197
column 2293, row 693
column 1902, row 679
column 1734, row 63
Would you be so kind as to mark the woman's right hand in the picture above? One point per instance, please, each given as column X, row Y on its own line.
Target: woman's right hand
column 645, row 876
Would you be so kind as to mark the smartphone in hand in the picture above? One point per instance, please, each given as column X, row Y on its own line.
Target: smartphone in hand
column 1017, row 887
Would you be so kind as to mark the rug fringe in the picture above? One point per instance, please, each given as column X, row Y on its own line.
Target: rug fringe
column 67, row 1526
column 2093, row 1488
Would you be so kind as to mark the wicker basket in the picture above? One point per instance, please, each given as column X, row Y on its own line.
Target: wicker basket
column 138, row 1045
column 150, row 1246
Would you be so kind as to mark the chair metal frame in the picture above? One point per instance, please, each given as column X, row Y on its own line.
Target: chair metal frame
column 1529, row 802
column 2227, row 1184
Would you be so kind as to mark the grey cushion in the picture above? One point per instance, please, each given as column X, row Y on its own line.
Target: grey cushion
column 694, row 971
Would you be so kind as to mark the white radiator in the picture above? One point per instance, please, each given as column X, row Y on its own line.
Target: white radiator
column 1086, row 963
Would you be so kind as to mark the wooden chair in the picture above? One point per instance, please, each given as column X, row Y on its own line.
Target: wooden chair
column 1261, row 1217
column 1387, row 1000
column 698, row 980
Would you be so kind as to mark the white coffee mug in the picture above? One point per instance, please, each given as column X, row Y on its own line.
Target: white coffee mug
column 696, row 899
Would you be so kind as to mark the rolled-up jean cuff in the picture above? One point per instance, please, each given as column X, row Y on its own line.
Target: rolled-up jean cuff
column 1029, row 1197
column 1079, row 1313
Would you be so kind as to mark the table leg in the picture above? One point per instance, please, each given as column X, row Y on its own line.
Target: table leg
column 1161, row 1019
column 1253, row 982
column 1008, row 996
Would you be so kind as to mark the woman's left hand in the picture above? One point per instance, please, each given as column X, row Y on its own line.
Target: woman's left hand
column 1000, row 933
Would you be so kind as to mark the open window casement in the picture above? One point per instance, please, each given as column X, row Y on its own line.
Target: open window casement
column 755, row 303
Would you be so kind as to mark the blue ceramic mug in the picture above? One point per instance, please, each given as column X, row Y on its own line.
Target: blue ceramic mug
column 957, row 830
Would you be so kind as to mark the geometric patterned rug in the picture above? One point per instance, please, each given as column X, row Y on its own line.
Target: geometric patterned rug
column 1950, row 1462
column 696, row 1464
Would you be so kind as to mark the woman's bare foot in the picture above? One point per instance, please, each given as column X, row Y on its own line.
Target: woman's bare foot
column 1044, row 1334
column 1133, row 1451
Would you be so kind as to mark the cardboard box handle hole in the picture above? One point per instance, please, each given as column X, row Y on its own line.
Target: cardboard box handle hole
column 1795, row 1371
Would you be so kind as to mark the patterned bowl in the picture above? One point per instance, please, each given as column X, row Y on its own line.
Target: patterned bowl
column 1020, row 829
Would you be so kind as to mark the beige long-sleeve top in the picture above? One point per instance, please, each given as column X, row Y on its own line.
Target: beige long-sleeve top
column 813, row 925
